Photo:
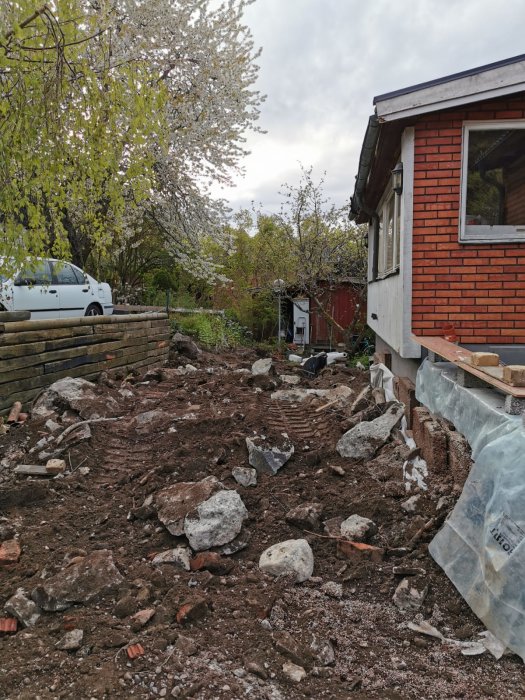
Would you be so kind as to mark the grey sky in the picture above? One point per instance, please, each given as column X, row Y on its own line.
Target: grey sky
column 324, row 60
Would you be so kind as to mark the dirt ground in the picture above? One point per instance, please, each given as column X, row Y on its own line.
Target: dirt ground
column 351, row 639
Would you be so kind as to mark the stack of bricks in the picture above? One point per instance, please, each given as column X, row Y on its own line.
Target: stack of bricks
column 476, row 288
column 446, row 452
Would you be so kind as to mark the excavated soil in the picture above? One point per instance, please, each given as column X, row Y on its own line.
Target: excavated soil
column 232, row 651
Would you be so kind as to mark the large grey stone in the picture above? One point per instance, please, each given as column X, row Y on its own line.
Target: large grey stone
column 292, row 557
column 82, row 582
column 363, row 440
column 215, row 521
column 24, row 609
column 175, row 502
column 267, row 457
column 184, row 345
column 358, row 529
column 75, row 394
column 263, row 366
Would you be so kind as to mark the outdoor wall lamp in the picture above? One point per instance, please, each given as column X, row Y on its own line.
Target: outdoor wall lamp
column 397, row 178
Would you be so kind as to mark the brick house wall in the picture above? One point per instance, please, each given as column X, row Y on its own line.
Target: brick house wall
column 478, row 288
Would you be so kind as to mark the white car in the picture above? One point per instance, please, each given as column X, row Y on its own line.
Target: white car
column 55, row 289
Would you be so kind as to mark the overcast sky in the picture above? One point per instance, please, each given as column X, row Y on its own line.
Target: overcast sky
column 324, row 60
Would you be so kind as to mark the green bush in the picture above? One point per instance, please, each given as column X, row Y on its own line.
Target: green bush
column 214, row 332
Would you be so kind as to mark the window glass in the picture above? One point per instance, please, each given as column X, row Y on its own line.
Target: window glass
column 388, row 234
column 40, row 273
column 494, row 183
column 65, row 274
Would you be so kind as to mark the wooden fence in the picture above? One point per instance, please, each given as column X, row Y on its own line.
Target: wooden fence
column 34, row 354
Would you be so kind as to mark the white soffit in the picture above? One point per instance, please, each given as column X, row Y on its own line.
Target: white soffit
column 485, row 85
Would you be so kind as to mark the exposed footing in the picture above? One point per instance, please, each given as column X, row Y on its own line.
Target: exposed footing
column 514, row 406
column 469, row 381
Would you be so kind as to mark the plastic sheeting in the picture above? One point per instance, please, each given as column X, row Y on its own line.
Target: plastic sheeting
column 481, row 546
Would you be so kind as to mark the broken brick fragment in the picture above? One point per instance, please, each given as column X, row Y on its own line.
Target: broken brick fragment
column 9, row 552
column 192, row 611
column 135, row 650
column 8, row 625
column 213, row 562
column 359, row 551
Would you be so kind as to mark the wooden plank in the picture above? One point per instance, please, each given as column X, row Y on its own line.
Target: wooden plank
column 45, row 335
column 22, row 326
column 129, row 340
column 9, row 352
column 460, row 357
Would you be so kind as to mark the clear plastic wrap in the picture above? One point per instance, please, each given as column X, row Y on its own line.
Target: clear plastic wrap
column 481, row 545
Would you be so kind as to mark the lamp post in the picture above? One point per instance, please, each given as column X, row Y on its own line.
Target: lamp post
column 278, row 287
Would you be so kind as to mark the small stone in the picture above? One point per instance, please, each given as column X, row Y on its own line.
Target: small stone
column 295, row 673
column 71, row 641
column 292, row 379
column 141, row 618
column 408, row 596
column 186, row 645
column 336, row 469
column 363, row 441
column 24, row 609
column 332, row 526
column 306, row 516
column 263, row 366
column 289, row 557
column 333, row 589
column 268, row 458
column 245, row 476
column 324, row 651
column 179, row 557
column 125, row 607
column 257, row 669
column 55, row 466
column 410, row 505
column 287, row 645
column 358, row 529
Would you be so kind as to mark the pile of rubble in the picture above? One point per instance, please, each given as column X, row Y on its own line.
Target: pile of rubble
column 227, row 528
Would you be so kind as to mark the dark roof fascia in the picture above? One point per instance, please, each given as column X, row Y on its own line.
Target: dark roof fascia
column 449, row 78
column 366, row 158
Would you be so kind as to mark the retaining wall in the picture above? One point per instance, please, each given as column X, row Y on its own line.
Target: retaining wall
column 34, row 354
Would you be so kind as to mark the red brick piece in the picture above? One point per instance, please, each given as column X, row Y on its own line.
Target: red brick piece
column 135, row 650
column 192, row 611
column 213, row 562
column 9, row 552
column 8, row 625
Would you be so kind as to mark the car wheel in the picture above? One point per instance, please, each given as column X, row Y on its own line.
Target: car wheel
column 93, row 310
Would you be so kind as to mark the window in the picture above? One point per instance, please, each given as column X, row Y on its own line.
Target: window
column 493, row 182
column 39, row 274
column 387, row 238
column 65, row 274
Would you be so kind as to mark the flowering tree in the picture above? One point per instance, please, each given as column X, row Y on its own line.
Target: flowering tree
column 113, row 112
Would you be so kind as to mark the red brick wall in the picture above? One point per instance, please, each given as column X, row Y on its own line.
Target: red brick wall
column 478, row 288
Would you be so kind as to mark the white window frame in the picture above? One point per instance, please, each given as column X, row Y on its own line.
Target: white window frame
column 477, row 233
column 383, row 269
